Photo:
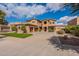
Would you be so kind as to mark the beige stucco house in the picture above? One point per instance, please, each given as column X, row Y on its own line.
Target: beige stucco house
column 34, row 25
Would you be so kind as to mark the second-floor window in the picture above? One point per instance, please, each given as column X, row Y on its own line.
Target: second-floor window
column 51, row 22
column 33, row 21
column 45, row 22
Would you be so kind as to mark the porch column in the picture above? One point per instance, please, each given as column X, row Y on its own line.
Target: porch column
column 33, row 29
column 27, row 29
column 38, row 29
column 42, row 28
column 0, row 28
column 19, row 29
column 10, row 29
column 47, row 29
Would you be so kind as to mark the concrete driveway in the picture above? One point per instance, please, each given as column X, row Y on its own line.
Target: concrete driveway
column 36, row 45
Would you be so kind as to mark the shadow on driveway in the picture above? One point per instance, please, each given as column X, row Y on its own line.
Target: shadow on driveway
column 63, row 43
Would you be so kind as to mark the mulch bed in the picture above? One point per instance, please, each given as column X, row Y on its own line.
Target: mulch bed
column 69, row 40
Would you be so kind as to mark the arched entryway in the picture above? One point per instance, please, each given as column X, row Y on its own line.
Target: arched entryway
column 31, row 29
column 45, row 29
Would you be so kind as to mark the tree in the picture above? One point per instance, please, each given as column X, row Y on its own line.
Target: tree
column 74, row 7
column 2, row 18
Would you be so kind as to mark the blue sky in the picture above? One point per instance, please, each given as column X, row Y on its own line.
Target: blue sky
column 20, row 12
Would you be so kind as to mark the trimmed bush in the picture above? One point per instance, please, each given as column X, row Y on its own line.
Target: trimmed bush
column 61, row 32
column 14, row 28
column 68, row 29
column 50, row 29
column 72, row 29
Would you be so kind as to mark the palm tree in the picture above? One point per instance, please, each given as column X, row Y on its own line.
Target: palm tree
column 74, row 7
column 2, row 17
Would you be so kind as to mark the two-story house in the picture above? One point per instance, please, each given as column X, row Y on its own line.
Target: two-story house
column 48, row 24
column 34, row 25
column 41, row 25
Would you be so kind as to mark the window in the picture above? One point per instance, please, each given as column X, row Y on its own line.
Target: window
column 45, row 22
column 33, row 21
column 51, row 22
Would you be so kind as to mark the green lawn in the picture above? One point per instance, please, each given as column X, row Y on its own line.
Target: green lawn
column 18, row 35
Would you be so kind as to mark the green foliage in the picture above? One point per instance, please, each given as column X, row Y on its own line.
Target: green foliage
column 50, row 29
column 23, row 28
column 14, row 28
column 2, row 14
column 18, row 35
column 61, row 32
column 69, row 28
column 2, row 17
column 72, row 29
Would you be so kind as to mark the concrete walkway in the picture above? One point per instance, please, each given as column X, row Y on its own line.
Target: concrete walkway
column 36, row 45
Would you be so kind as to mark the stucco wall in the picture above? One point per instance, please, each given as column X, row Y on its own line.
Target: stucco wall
column 49, row 23
column 35, row 22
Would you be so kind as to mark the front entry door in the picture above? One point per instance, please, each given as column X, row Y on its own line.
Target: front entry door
column 45, row 29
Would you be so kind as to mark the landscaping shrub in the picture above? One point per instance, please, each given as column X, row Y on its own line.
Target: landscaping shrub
column 68, row 29
column 72, row 29
column 61, row 32
column 50, row 29
column 14, row 28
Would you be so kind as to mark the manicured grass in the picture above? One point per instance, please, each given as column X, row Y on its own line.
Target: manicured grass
column 18, row 35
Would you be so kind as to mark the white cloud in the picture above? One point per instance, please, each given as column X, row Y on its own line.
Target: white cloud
column 23, row 4
column 65, row 19
column 54, row 6
column 2, row 7
column 22, row 10
column 30, row 11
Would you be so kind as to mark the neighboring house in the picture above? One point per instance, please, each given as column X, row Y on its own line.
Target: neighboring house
column 17, row 24
column 74, row 21
column 59, row 27
column 4, row 28
column 34, row 25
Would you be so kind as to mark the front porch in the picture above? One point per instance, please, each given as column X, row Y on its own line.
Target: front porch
column 35, row 28
column 40, row 29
